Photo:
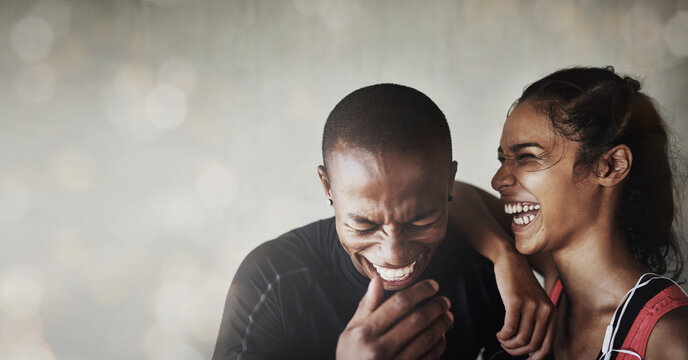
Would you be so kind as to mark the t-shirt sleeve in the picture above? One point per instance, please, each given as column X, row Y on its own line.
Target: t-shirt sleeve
column 252, row 323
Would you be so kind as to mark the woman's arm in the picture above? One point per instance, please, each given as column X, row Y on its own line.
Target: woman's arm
column 529, row 323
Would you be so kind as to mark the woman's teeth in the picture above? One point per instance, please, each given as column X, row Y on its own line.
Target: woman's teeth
column 524, row 213
column 395, row 274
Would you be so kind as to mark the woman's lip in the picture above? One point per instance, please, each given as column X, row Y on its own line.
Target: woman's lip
column 523, row 220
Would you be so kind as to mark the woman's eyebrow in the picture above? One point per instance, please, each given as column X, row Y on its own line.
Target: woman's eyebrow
column 520, row 146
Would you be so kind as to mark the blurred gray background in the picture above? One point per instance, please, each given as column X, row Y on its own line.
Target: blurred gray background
column 147, row 146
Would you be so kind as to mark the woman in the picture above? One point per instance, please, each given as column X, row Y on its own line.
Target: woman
column 586, row 181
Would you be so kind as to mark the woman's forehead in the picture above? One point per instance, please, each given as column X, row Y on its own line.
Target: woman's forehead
column 526, row 125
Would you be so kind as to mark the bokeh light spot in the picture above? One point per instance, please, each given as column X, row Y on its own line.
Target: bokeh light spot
column 21, row 291
column 165, row 107
column 123, row 100
column 32, row 38
column 56, row 12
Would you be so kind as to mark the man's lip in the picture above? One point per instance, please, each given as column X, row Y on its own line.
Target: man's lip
column 386, row 266
column 397, row 283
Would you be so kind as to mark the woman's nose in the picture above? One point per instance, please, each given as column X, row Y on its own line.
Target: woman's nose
column 502, row 178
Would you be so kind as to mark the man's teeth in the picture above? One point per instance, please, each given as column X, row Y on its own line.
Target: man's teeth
column 520, row 210
column 395, row 274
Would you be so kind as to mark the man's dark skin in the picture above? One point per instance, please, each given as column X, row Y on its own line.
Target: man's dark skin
column 391, row 210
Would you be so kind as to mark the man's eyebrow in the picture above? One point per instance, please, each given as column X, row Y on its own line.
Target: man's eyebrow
column 520, row 146
column 361, row 219
column 424, row 215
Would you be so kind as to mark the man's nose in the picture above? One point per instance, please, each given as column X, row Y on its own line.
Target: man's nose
column 503, row 178
column 395, row 246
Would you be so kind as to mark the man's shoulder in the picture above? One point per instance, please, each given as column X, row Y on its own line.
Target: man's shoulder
column 313, row 237
column 296, row 250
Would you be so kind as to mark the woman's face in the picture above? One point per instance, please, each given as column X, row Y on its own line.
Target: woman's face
column 538, row 185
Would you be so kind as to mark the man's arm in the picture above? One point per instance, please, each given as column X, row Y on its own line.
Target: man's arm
column 251, row 324
column 529, row 322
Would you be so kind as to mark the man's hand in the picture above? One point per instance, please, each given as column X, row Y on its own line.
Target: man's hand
column 530, row 315
column 397, row 328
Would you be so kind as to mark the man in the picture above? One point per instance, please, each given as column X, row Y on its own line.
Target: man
column 388, row 173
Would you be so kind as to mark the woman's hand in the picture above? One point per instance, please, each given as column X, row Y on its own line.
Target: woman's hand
column 530, row 315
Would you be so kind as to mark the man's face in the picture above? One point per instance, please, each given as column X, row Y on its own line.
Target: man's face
column 390, row 209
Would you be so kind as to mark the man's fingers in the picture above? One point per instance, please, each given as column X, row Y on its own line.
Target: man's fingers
column 429, row 342
column 370, row 301
column 513, row 314
column 516, row 345
column 546, row 347
column 401, row 303
column 437, row 351
column 416, row 333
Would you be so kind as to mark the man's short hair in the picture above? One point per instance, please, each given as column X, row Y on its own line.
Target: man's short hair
column 386, row 117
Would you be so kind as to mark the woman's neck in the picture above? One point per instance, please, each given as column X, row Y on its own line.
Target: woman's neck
column 596, row 269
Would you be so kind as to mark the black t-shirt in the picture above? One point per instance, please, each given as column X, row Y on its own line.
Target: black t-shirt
column 293, row 296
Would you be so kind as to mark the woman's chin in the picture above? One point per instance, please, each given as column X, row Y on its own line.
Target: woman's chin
column 526, row 246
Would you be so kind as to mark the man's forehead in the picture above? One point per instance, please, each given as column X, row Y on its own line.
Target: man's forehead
column 355, row 152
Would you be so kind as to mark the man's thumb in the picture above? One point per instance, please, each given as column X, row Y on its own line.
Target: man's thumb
column 373, row 296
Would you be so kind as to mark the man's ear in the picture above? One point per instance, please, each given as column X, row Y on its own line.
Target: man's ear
column 325, row 181
column 614, row 165
column 452, row 176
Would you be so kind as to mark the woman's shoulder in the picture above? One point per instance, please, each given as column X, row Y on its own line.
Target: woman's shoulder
column 668, row 339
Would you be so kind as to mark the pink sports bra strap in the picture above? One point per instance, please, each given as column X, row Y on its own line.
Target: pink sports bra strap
column 555, row 294
column 636, row 339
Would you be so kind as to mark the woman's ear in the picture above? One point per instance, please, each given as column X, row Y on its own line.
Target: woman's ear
column 614, row 165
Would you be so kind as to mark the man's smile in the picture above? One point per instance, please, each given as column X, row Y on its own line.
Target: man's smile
column 395, row 277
